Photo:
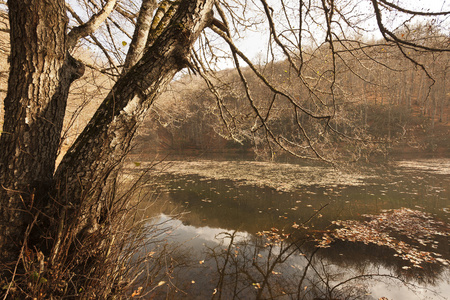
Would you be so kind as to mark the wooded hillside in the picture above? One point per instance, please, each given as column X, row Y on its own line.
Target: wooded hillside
column 402, row 106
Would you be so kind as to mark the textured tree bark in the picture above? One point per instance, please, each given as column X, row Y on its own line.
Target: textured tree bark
column 40, row 76
column 39, row 81
column 143, row 23
column 86, row 170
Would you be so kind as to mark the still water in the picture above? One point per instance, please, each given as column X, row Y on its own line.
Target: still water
column 255, row 230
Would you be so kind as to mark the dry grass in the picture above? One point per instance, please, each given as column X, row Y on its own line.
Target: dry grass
column 122, row 257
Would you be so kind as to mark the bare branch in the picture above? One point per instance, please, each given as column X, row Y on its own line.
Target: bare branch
column 128, row 15
column 141, row 32
column 274, row 89
column 390, row 36
column 411, row 12
column 94, row 39
column 90, row 26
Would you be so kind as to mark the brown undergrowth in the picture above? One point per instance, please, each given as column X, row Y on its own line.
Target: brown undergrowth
column 122, row 258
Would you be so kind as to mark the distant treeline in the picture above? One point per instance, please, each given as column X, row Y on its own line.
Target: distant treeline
column 379, row 99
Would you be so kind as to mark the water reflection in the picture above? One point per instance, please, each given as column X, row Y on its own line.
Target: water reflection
column 225, row 264
column 223, row 256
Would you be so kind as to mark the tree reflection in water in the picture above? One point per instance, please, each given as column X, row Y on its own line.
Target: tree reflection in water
column 275, row 264
column 272, row 266
column 385, row 238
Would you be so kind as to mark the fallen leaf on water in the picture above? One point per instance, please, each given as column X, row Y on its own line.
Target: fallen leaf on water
column 275, row 273
column 137, row 292
column 161, row 283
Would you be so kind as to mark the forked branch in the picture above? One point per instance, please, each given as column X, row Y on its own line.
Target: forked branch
column 90, row 26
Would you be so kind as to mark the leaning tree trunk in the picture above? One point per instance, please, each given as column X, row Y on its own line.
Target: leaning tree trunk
column 85, row 171
column 39, row 81
column 40, row 77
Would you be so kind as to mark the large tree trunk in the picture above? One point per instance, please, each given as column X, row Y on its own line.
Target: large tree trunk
column 40, row 76
column 39, row 81
column 90, row 165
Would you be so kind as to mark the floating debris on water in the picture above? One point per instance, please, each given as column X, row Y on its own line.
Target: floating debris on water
column 436, row 166
column 419, row 227
column 281, row 177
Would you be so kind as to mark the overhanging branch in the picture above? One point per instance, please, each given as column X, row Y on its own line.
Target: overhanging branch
column 90, row 26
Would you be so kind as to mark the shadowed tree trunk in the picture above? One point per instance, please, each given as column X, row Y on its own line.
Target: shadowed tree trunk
column 40, row 76
column 88, row 168
column 39, row 81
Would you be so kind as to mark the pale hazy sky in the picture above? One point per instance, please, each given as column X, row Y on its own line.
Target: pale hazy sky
column 254, row 44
